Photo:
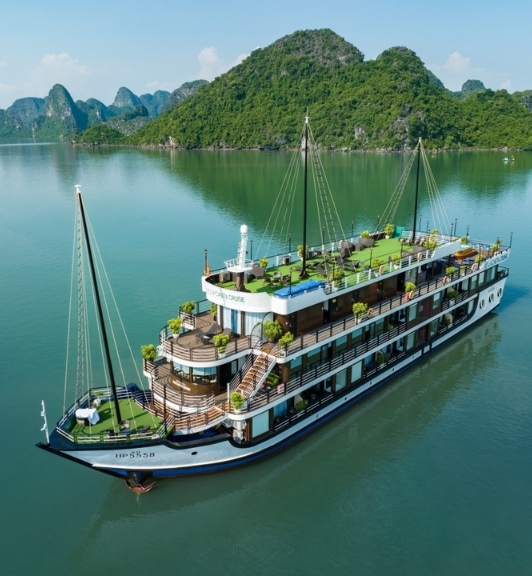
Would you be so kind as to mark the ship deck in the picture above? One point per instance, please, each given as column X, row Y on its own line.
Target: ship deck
column 140, row 421
column 320, row 267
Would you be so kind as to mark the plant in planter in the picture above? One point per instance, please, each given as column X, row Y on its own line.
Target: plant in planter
column 396, row 259
column 188, row 307
column 335, row 275
column 452, row 294
column 149, row 352
column 175, row 325
column 364, row 234
column 285, row 340
column 237, row 400
column 214, row 310
column 389, row 229
column 359, row 309
column 263, row 262
column 376, row 263
column 300, row 251
column 300, row 406
column 381, row 357
column 220, row 341
column 409, row 289
column 463, row 240
column 272, row 330
column 450, row 270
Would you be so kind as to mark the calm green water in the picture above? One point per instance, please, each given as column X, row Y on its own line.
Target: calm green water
column 432, row 475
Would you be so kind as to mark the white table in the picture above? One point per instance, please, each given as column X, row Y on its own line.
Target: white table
column 91, row 414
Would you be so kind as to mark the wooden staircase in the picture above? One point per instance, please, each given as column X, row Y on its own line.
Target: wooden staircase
column 256, row 374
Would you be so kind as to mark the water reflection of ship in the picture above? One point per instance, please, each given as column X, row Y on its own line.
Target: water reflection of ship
column 388, row 421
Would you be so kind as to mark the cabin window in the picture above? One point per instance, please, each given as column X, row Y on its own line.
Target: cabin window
column 296, row 366
column 341, row 345
column 490, row 274
column 470, row 306
column 341, row 380
column 412, row 312
column 356, row 337
column 481, row 278
column 474, row 281
column 204, row 375
column 463, row 285
column 434, row 327
column 280, row 409
column 182, row 372
column 410, row 340
column 260, row 424
column 252, row 320
column 356, row 372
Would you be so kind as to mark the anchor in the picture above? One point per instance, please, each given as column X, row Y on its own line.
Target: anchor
column 138, row 488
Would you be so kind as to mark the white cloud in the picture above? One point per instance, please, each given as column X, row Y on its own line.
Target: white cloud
column 506, row 85
column 456, row 70
column 63, row 62
column 156, row 85
column 457, row 63
column 6, row 88
column 211, row 65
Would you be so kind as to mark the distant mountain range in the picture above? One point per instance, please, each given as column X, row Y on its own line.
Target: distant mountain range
column 384, row 104
column 58, row 116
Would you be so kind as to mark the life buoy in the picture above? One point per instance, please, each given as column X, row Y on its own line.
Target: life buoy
column 446, row 280
column 410, row 295
column 474, row 267
column 381, row 269
column 370, row 312
column 419, row 256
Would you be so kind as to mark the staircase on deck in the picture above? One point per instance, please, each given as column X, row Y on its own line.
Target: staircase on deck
column 257, row 372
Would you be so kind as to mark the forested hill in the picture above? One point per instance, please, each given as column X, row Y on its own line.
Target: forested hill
column 383, row 103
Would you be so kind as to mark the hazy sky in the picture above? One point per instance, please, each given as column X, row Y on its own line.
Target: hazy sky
column 94, row 47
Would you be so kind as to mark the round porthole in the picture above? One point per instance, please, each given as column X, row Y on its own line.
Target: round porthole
column 483, row 304
column 194, row 453
column 491, row 297
column 499, row 292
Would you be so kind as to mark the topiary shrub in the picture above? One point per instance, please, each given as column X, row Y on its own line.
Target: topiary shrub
column 272, row 330
column 175, row 324
column 237, row 400
column 149, row 352
column 188, row 307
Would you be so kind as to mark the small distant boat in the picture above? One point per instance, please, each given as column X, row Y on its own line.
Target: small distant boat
column 507, row 160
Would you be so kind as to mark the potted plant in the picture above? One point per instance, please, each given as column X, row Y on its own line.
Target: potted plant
column 237, row 400
column 272, row 330
column 381, row 357
column 450, row 270
column 359, row 309
column 214, row 310
column 335, row 276
column 364, row 234
column 149, row 352
column 285, row 340
column 376, row 264
column 430, row 244
column 451, row 294
column 389, row 229
column 409, row 290
column 301, row 405
column 188, row 307
column 396, row 259
column 175, row 325
column 463, row 240
column 220, row 342
column 300, row 251
column 263, row 262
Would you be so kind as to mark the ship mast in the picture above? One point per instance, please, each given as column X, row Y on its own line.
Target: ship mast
column 417, row 190
column 99, row 305
column 303, row 273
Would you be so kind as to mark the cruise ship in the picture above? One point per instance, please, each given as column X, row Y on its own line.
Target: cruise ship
column 282, row 344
